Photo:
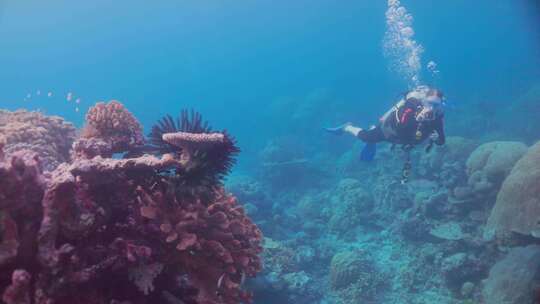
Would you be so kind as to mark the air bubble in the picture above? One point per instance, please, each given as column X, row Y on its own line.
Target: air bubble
column 399, row 45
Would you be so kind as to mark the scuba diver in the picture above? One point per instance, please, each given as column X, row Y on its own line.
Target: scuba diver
column 417, row 117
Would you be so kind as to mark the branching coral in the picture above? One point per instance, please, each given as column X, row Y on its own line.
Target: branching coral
column 48, row 136
column 115, row 125
column 104, row 230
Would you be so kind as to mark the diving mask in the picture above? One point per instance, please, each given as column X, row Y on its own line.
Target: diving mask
column 431, row 108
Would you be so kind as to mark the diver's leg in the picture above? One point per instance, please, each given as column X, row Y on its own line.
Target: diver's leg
column 371, row 135
column 345, row 128
column 354, row 131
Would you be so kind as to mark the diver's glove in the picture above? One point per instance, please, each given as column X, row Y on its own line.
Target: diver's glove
column 338, row 130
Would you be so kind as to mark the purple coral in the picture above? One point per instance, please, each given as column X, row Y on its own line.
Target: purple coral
column 115, row 125
column 104, row 230
column 48, row 136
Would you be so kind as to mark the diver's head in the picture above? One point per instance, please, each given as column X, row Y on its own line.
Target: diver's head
column 431, row 105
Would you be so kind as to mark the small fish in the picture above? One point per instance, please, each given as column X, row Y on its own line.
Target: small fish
column 78, row 100
column 28, row 96
column 38, row 92
column 220, row 281
column 49, row 94
column 77, row 109
column 69, row 96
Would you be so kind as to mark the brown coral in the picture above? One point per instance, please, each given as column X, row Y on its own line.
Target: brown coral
column 48, row 136
column 518, row 203
column 115, row 125
column 490, row 163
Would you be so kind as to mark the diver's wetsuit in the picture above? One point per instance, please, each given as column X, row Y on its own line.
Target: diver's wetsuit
column 401, row 127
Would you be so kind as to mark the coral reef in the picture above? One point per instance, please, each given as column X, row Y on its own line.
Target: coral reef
column 422, row 241
column 354, row 277
column 488, row 165
column 208, row 155
column 517, row 209
column 514, row 278
column 113, row 124
column 48, row 136
column 447, row 163
column 285, row 166
column 247, row 189
column 352, row 205
column 448, row 231
column 104, row 230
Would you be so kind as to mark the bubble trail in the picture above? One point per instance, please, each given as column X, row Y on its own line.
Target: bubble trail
column 432, row 67
column 399, row 45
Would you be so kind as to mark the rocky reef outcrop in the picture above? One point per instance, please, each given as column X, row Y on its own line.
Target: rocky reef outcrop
column 517, row 209
column 514, row 279
column 489, row 164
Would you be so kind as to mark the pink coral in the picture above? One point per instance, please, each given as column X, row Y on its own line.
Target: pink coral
column 208, row 232
column 115, row 125
column 19, row 290
column 48, row 136
column 68, row 236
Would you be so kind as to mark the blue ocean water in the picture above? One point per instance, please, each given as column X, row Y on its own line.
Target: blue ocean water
column 274, row 74
column 231, row 60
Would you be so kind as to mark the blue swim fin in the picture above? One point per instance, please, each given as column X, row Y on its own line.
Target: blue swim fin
column 368, row 153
